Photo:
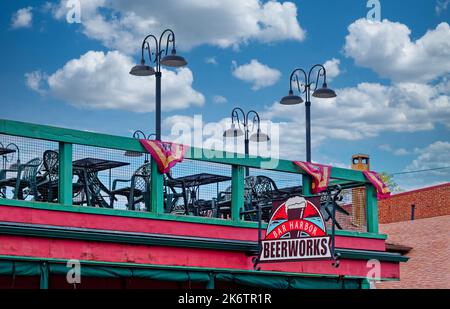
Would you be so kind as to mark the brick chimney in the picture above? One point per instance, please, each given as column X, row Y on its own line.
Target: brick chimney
column 360, row 162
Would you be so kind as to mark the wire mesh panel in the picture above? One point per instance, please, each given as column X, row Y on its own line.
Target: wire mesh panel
column 265, row 188
column 351, row 215
column 111, row 178
column 25, row 172
column 207, row 188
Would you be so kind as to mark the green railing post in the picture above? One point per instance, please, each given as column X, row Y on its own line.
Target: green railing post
column 157, row 189
column 306, row 185
column 372, row 209
column 237, row 192
column 65, row 174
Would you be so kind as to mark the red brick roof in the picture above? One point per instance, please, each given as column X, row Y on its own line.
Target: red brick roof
column 429, row 263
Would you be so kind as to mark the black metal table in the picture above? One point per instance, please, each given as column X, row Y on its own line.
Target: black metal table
column 192, row 184
column 88, row 169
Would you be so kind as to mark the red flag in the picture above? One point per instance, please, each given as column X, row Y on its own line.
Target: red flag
column 165, row 154
column 382, row 189
column 320, row 174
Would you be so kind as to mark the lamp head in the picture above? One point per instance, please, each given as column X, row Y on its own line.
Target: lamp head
column 142, row 69
column 173, row 60
column 259, row 137
column 233, row 132
column 291, row 99
column 324, row 92
column 133, row 154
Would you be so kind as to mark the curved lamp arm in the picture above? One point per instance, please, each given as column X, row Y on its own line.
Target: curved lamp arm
column 170, row 39
column 143, row 47
column 291, row 79
column 235, row 114
column 255, row 119
column 322, row 72
column 138, row 134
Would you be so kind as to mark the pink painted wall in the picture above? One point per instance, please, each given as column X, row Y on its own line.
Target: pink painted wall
column 143, row 254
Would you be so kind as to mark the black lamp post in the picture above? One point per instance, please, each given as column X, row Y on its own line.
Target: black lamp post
column 138, row 134
column 292, row 99
column 172, row 60
column 237, row 131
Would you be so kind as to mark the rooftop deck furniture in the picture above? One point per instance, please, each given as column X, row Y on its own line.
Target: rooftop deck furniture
column 87, row 169
column 26, row 178
column 138, row 190
column 48, row 187
column 192, row 184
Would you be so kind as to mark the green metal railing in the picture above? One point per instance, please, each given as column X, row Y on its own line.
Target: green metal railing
column 66, row 138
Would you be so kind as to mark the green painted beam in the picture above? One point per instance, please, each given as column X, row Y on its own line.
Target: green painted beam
column 307, row 185
column 157, row 189
column 65, row 173
column 124, row 143
column 237, row 192
column 372, row 209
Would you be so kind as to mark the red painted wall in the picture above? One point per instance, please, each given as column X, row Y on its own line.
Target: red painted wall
column 156, row 255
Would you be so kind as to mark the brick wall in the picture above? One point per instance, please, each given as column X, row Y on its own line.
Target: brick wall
column 429, row 202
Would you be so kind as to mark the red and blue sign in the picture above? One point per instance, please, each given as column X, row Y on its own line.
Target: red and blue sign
column 296, row 231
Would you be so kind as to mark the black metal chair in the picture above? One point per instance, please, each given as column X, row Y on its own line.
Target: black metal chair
column 25, row 183
column 49, row 186
column 139, row 189
column 175, row 202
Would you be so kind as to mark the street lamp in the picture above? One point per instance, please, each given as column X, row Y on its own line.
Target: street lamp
column 323, row 93
column 234, row 131
column 172, row 60
column 138, row 134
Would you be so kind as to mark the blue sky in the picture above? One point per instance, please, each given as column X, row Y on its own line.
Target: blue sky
column 391, row 76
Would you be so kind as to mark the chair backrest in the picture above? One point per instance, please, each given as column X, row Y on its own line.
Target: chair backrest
column 51, row 164
column 30, row 170
column 264, row 186
column 141, row 178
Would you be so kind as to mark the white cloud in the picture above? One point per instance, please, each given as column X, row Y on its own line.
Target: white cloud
column 123, row 24
column 436, row 155
column 102, row 81
column 256, row 73
column 211, row 60
column 385, row 147
column 332, row 67
column 401, row 152
column 36, row 81
column 396, row 152
column 441, row 5
column 386, row 47
column 23, row 18
column 218, row 99
column 368, row 110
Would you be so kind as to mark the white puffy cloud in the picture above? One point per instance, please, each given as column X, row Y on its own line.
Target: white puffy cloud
column 123, row 24
column 369, row 109
column 211, row 60
column 256, row 73
column 332, row 67
column 36, row 81
column 219, row 99
column 99, row 80
column 435, row 155
column 386, row 47
column 23, row 18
